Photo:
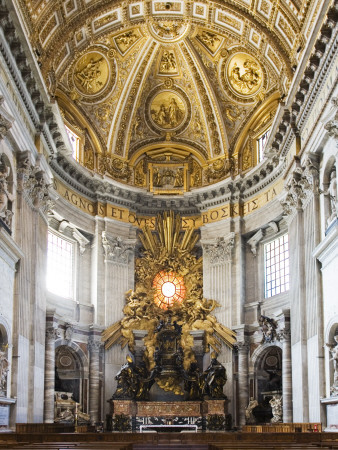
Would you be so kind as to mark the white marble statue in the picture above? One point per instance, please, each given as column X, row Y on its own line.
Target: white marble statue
column 277, row 409
column 334, row 358
column 4, row 364
column 249, row 417
column 332, row 194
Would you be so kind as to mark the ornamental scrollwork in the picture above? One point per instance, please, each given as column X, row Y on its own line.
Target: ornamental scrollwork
column 94, row 345
column 220, row 250
column 117, row 250
column 114, row 167
column 5, row 124
column 32, row 183
column 6, row 197
column 302, row 184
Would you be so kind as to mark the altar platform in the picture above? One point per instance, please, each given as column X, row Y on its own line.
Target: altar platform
column 169, row 441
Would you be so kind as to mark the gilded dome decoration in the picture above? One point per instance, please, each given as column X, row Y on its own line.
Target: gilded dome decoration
column 177, row 75
column 92, row 75
column 244, row 74
column 167, row 110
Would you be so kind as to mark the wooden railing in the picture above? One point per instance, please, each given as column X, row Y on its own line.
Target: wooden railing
column 283, row 428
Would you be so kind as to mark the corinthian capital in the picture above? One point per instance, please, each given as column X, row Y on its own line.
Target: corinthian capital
column 94, row 345
column 117, row 249
column 32, row 183
column 219, row 250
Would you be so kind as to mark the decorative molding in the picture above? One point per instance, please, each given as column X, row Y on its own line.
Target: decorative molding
column 332, row 125
column 69, row 331
column 94, row 346
column 32, row 184
column 302, row 184
column 116, row 249
column 254, row 241
column 219, row 250
column 6, row 121
column 52, row 333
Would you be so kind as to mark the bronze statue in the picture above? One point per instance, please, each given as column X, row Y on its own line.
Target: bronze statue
column 213, row 379
column 192, row 382
column 127, row 381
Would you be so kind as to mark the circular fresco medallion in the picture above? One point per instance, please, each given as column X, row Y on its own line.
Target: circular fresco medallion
column 244, row 74
column 91, row 73
column 167, row 110
column 169, row 288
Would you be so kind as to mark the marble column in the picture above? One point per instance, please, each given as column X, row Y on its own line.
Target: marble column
column 94, row 380
column 285, row 338
column 243, row 386
column 51, row 335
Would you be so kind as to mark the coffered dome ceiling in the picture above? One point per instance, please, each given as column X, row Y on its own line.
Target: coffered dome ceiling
column 168, row 96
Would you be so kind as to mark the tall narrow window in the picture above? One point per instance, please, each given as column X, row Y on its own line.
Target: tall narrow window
column 262, row 140
column 75, row 143
column 276, row 266
column 60, row 266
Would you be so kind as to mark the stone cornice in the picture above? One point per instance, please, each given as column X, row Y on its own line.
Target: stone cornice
column 301, row 99
column 25, row 80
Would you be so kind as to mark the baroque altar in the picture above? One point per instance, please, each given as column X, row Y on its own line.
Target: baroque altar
column 169, row 327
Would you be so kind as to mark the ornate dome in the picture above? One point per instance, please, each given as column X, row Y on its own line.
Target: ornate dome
column 168, row 96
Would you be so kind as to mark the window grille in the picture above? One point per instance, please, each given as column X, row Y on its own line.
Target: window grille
column 276, row 255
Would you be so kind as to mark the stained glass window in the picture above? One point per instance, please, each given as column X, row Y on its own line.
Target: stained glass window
column 169, row 288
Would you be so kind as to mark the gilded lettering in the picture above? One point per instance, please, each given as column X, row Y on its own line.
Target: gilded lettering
column 224, row 213
column 214, row 215
column 255, row 206
column 131, row 218
column 205, row 218
column 82, row 204
column 74, row 199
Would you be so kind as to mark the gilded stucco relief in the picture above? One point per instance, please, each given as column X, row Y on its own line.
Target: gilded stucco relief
column 188, row 77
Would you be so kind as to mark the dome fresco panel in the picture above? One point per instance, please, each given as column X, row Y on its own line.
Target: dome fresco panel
column 168, row 96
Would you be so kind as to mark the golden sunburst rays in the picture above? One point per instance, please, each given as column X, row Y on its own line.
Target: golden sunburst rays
column 113, row 335
column 227, row 336
column 169, row 238
column 169, row 249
